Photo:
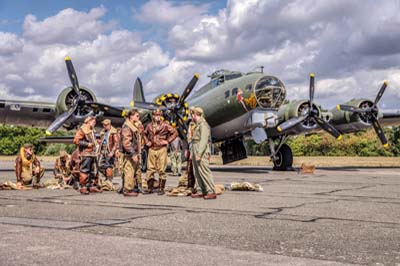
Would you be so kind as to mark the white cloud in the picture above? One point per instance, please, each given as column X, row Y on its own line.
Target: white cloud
column 166, row 12
column 9, row 44
column 108, row 63
column 68, row 27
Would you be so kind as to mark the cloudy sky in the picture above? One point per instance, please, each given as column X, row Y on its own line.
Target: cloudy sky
column 352, row 46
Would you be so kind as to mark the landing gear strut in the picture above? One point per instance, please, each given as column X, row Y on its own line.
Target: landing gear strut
column 281, row 155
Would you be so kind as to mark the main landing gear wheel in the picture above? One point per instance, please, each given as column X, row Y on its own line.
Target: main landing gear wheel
column 284, row 159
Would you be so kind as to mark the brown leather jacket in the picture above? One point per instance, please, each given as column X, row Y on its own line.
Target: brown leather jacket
column 130, row 139
column 154, row 133
column 62, row 166
column 83, row 137
column 19, row 165
column 112, row 142
column 75, row 162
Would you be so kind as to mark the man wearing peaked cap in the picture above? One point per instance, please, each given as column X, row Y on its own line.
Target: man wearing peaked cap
column 201, row 153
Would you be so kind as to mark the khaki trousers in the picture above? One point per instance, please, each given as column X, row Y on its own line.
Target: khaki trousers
column 203, row 175
column 130, row 171
column 157, row 163
column 176, row 162
column 27, row 179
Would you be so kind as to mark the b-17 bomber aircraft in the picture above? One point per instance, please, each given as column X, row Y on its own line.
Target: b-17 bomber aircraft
column 236, row 105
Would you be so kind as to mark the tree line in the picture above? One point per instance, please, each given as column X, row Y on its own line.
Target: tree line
column 363, row 143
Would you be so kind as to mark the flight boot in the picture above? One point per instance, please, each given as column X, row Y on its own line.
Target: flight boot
column 162, row 187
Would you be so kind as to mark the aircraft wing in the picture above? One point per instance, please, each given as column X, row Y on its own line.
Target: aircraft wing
column 390, row 118
column 38, row 114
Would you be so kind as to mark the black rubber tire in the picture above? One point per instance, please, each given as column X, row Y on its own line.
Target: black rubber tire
column 284, row 161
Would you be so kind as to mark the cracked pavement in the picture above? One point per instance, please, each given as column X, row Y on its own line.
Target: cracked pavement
column 338, row 216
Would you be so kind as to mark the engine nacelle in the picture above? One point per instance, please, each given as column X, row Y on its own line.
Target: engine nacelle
column 346, row 121
column 65, row 101
column 67, row 96
column 295, row 109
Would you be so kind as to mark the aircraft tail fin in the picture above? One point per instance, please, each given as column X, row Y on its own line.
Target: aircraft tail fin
column 138, row 95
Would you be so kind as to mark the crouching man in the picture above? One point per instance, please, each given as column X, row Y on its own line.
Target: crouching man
column 27, row 167
column 62, row 169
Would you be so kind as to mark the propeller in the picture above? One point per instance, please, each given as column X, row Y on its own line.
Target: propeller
column 72, row 75
column 311, row 113
column 370, row 113
column 188, row 90
column 79, row 103
column 174, row 107
column 60, row 120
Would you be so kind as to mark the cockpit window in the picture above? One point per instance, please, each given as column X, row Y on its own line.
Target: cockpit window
column 270, row 92
column 233, row 76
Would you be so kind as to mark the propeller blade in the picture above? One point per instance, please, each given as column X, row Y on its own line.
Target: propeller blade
column 138, row 94
column 147, row 105
column 380, row 93
column 60, row 120
column 72, row 75
column 108, row 110
column 328, row 127
column 312, row 89
column 379, row 131
column 188, row 89
column 290, row 123
column 181, row 122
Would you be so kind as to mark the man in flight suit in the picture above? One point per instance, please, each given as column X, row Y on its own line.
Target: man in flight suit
column 86, row 141
column 109, row 144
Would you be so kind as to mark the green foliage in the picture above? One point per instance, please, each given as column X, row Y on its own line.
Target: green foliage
column 12, row 138
column 363, row 143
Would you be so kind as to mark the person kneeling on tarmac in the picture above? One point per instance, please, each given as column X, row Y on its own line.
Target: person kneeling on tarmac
column 62, row 169
column 27, row 167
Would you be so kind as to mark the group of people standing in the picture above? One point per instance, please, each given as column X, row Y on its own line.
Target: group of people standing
column 122, row 148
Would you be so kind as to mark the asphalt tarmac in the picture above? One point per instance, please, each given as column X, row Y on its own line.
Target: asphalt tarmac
column 337, row 216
